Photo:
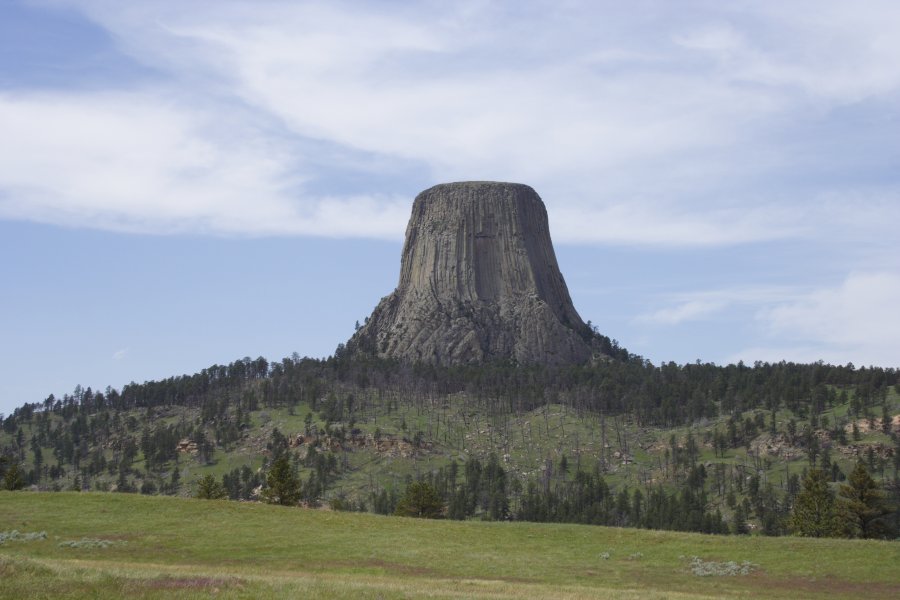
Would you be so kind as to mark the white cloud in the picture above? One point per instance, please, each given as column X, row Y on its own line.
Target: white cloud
column 700, row 305
column 685, row 311
column 832, row 52
column 637, row 127
column 145, row 162
column 660, row 223
column 719, row 39
column 120, row 354
column 855, row 321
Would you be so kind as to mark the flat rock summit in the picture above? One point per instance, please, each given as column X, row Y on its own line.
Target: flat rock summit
column 479, row 282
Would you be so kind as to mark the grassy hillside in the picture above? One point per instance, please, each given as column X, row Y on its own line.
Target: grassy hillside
column 529, row 443
column 694, row 447
column 154, row 547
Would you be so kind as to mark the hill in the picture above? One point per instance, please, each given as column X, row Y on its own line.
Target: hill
column 477, row 381
column 621, row 442
column 113, row 545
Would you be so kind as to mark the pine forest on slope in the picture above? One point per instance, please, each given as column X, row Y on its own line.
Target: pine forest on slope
column 622, row 442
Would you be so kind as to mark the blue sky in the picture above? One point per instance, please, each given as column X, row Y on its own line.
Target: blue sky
column 187, row 183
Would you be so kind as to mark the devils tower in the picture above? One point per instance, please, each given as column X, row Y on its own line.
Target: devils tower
column 479, row 282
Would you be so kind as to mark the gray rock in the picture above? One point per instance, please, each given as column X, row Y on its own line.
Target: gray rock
column 479, row 282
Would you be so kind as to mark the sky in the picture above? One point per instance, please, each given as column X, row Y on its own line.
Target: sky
column 188, row 183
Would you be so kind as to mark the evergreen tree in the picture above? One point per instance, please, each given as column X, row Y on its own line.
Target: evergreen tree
column 862, row 506
column 739, row 521
column 210, row 489
column 122, row 484
column 420, row 500
column 282, row 483
column 175, row 480
column 13, row 478
column 458, row 504
column 814, row 513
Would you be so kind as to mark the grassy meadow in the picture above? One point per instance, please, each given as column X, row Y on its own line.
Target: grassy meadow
column 114, row 545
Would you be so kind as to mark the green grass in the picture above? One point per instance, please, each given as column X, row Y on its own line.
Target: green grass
column 170, row 547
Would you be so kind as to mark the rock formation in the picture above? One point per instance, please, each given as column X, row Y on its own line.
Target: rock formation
column 478, row 282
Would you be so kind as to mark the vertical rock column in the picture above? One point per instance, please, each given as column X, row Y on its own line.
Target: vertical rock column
column 479, row 281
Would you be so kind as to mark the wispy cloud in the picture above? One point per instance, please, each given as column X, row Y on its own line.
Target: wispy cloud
column 636, row 127
column 120, row 354
column 851, row 320
column 700, row 305
column 662, row 224
column 854, row 320
column 147, row 162
column 684, row 311
column 843, row 57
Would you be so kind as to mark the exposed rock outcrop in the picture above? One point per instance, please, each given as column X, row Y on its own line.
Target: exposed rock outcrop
column 383, row 444
column 187, row 446
column 479, row 281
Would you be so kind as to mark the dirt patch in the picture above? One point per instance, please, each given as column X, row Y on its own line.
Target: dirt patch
column 396, row 567
column 410, row 570
column 828, row 587
column 192, row 583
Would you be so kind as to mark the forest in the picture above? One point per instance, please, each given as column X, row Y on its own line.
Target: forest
column 620, row 441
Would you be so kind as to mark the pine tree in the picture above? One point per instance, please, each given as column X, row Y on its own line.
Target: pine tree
column 739, row 521
column 814, row 513
column 282, row 483
column 420, row 500
column 175, row 481
column 13, row 478
column 862, row 507
column 210, row 489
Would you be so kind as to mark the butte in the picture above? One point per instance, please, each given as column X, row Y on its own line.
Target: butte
column 479, row 282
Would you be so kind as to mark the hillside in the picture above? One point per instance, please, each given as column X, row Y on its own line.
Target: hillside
column 113, row 545
column 694, row 447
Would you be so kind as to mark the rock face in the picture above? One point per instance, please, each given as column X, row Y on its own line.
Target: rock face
column 479, row 281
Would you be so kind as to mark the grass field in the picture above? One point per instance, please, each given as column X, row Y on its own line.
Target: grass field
column 162, row 547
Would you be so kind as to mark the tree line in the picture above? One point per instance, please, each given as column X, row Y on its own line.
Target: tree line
column 92, row 433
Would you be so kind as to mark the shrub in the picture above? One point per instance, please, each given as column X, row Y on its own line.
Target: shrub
column 88, row 543
column 710, row 568
column 18, row 536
